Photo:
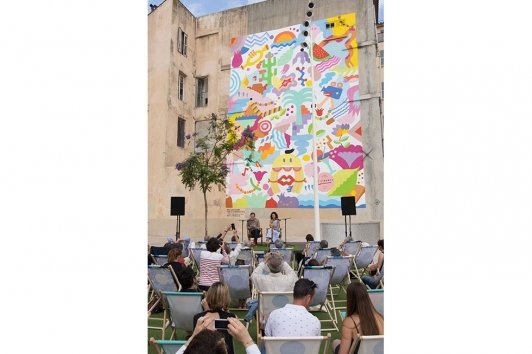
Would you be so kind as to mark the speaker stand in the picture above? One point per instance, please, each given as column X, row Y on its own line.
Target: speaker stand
column 350, row 236
column 178, row 228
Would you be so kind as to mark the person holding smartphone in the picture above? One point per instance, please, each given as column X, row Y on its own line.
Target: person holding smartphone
column 216, row 304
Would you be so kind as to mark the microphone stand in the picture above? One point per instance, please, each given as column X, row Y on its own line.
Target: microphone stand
column 285, row 233
column 243, row 228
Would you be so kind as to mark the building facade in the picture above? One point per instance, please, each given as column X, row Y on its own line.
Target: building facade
column 189, row 62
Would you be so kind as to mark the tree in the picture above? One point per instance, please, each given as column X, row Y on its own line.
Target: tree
column 206, row 165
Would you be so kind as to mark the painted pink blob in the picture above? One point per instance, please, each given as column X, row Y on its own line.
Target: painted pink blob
column 325, row 182
column 265, row 186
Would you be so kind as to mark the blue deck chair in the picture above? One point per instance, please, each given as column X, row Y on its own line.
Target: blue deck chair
column 195, row 253
column 368, row 345
column 232, row 245
column 161, row 279
column 322, row 276
column 183, row 307
column 352, row 247
column 312, row 247
column 299, row 345
column 363, row 260
column 167, row 346
column 267, row 302
column 377, row 299
column 340, row 277
column 322, row 253
column 186, row 245
column 248, row 252
column 159, row 259
column 237, row 279
column 287, row 253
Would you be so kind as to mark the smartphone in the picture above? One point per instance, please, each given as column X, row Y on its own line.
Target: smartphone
column 220, row 324
column 232, row 226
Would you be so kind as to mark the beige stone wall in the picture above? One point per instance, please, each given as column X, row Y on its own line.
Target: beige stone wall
column 208, row 54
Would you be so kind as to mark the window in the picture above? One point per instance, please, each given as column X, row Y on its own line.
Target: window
column 382, row 90
column 180, row 86
column 182, row 42
column 202, row 89
column 380, row 37
column 381, row 54
column 181, row 132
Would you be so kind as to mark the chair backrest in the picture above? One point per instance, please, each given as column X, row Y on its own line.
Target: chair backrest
column 365, row 256
column 196, row 252
column 377, row 298
column 161, row 279
column 371, row 345
column 160, row 259
column 248, row 252
column 269, row 301
column 168, row 346
column 232, row 245
column 186, row 245
column 183, row 307
column 342, row 267
column 201, row 243
column 272, row 246
column 312, row 247
column 352, row 247
column 293, row 345
column 237, row 279
column 287, row 253
column 321, row 253
column 322, row 277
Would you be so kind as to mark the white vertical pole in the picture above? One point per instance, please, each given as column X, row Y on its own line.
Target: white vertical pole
column 317, row 235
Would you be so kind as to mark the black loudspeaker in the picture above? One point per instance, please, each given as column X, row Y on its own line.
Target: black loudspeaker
column 177, row 206
column 348, row 206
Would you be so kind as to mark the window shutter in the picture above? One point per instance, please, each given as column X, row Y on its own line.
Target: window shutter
column 179, row 44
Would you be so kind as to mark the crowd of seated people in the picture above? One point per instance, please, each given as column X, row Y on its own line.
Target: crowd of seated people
column 273, row 274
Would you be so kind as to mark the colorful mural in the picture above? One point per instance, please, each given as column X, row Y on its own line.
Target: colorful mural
column 271, row 92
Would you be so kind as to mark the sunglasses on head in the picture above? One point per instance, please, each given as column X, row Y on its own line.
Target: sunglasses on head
column 312, row 286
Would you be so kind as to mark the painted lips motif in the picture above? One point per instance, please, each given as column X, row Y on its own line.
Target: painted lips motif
column 286, row 180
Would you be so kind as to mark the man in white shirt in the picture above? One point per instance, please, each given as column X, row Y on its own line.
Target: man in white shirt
column 294, row 320
column 268, row 275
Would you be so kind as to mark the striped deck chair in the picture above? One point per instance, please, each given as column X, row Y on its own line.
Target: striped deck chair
column 161, row 279
column 377, row 299
column 195, row 253
column 167, row 346
column 183, row 307
column 322, row 253
column 339, row 280
column 237, row 279
column 269, row 301
column 363, row 260
column 322, row 276
column 352, row 247
column 299, row 345
column 368, row 345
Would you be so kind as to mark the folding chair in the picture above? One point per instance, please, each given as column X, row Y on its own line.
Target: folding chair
column 322, row 276
column 161, row 279
column 337, row 281
column 248, row 252
column 232, row 245
column 352, row 247
column 196, row 256
column 368, row 345
column 159, row 259
column 186, row 245
column 167, row 346
column 267, row 302
column 299, row 345
column 363, row 260
column 322, row 253
column 260, row 236
column 183, row 307
column 287, row 253
column 312, row 247
column 237, row 279
column 377, row 299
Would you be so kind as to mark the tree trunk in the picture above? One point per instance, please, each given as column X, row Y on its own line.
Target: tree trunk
column 205, row 201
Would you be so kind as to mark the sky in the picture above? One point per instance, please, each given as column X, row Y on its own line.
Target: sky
column 205, row 7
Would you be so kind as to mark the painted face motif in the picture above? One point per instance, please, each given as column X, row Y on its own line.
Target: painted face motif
column 287, row 171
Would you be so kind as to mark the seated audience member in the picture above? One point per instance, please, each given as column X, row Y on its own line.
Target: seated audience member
column 313, row 263
column 361, row 319
column 268, row 276
column 373, row 280
column 294, row 320
column 173, row 260
column 279, row 243
column 301, row 255
column 216, row 304
column 233, row 254
column 209, row 260
column 187, row 279
column 207, row 340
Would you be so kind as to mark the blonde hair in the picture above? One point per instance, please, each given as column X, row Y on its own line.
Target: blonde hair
column 218, row 296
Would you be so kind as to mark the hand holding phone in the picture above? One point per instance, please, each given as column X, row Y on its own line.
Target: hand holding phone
column 232, row 226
